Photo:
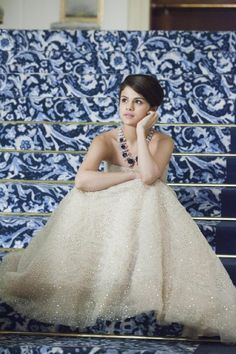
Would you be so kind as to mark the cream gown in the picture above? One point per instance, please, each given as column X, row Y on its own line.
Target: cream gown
column 115, row 253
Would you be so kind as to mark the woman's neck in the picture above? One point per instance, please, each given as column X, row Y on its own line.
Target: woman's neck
column 130, row 134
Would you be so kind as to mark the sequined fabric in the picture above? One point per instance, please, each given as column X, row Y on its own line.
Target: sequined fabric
column 115, row 253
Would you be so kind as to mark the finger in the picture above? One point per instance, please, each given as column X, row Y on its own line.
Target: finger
column 150, row 112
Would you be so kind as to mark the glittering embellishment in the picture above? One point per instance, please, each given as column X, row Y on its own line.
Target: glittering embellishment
column 125, row 153
column 109, row 255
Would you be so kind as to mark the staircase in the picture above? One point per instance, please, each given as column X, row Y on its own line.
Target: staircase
column 59, row 89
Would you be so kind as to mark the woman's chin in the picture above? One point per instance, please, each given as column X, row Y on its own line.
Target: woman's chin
column 130, row 121
column 130, row 124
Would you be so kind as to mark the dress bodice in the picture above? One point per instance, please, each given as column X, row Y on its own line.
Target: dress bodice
column 109, row 167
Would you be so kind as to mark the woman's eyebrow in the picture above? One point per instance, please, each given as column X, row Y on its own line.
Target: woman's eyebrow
column 138, row 97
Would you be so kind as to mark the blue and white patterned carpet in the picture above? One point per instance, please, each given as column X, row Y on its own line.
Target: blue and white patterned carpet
column 58, row 90
column 46, row 345
column 64, row 345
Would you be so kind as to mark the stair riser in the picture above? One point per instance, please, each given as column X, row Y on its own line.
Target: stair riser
column 182, row 169
column 201, row 62
column 76, row 85
column 17, row 232
column 78, row 137
column 103, row 109
column 44, row 198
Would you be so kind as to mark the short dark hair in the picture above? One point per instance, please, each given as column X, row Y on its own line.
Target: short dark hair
column 146, row 85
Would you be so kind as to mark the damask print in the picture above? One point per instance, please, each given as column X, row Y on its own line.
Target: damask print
column 79, row 137
column 38, row 166
column 49, row 345
column 58, row 89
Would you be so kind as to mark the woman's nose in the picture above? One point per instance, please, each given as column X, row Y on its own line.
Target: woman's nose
column 129, row 106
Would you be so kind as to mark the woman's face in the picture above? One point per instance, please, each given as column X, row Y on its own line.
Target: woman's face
column 133, row 106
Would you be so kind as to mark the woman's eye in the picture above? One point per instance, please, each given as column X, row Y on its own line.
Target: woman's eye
column 139, row 101
column 123, row 100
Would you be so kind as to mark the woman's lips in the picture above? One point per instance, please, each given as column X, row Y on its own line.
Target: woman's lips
column 129, row 115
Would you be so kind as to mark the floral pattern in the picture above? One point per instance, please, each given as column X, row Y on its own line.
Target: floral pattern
column 45, row 198
column 63, row 345
column 19, row 230
column 73, row 76
column 38, row 166
column 59, row 90
column 79, row 137
column 104, row 109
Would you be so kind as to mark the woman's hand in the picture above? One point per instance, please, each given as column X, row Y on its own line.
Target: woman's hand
column 148, row 121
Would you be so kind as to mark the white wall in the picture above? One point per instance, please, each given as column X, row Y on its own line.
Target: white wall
column 30, row 14
column 126, row 15
column 139, row 15
column 40, row 14
column 12, row 13
column 115, row 15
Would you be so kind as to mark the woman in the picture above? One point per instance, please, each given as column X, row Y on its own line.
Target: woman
column 138, row 115
column 120, row 243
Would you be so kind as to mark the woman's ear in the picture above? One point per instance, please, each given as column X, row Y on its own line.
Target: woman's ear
column 152, row 109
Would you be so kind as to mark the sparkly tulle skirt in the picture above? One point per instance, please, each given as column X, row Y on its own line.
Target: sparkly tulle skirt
column 119, row 252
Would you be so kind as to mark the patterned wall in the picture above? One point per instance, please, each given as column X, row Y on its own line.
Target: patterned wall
column 59, row 89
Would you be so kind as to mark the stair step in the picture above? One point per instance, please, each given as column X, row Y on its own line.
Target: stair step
column 19, row 344
column 34, row 198
column 228, row 199
column 182, row 169
column 98, row 85
column 50, row 41
column 38, row 166
column 43, row 198
column 60, row 109
column 143, row 324
column 94, row 109
column 199, row 61
column 17, row 231
column 197, row 71
column 225, row 237
column 230, row 266
column 68, row 345
column 78, row 137
column 231, row 170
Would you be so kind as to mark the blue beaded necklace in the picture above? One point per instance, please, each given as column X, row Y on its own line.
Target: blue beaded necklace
column 127, row 156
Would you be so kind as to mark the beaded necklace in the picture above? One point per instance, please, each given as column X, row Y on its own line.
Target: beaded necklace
column 127, row 156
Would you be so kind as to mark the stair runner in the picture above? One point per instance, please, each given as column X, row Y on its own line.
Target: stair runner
column 58, row 89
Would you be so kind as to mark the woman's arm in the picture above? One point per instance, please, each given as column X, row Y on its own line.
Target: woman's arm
column 89, row 179
column 152, row 160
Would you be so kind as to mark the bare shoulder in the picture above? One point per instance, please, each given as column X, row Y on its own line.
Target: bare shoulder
column 104, row 143
column 162, row 137
column 106, row 138
column 162, row 148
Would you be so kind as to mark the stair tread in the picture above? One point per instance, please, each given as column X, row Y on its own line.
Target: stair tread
column 89, row 345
